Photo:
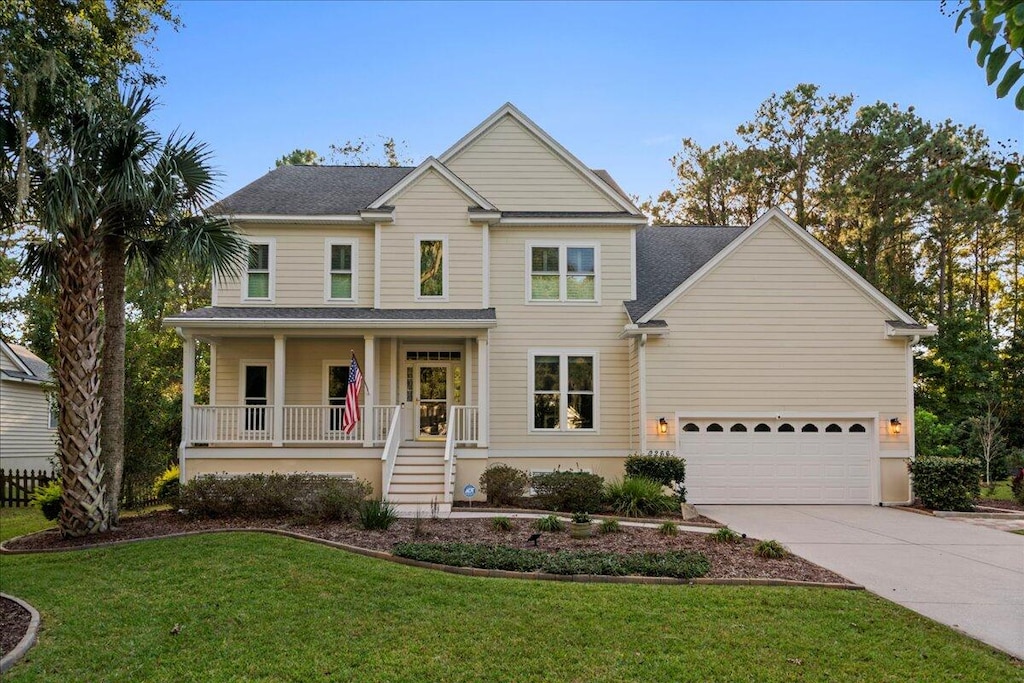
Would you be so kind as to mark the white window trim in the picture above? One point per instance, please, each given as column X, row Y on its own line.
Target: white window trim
column 52, row 416
column 271, row 262
column 353, row 244
column 445, row 259
column 269, row 364
column 563, row 266
column 327, row 364
column 563, row 390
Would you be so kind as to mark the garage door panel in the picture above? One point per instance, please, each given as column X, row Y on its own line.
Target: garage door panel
column 778, row 467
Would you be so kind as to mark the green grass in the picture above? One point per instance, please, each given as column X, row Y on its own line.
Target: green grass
column 20, row 521
column 254, row 607
column 1002, row 491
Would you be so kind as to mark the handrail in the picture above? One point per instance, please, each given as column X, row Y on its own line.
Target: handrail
column 390, row 454
column 449, row 457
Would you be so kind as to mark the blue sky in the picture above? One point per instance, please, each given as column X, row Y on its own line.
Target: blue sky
column 618, row 84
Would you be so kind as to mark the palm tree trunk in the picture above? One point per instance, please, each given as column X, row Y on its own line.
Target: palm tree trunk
column 78, row 397
column 112, row 375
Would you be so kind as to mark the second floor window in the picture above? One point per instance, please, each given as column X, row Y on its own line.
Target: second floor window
column 340, row 273
column 433, row 271
column 258, row 283
column 563, row 273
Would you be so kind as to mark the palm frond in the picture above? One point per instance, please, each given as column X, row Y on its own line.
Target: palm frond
column 209, row 242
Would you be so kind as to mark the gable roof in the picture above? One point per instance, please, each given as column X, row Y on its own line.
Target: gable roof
column 801, row 235
column 312, row 190
column 610, row 190
column 428, row 165
column 667, row 255
column 31, row 367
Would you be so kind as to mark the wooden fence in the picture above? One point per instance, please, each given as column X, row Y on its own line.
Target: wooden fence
column 16, row 487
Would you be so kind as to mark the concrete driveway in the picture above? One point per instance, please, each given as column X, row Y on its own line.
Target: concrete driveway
column 968, row 577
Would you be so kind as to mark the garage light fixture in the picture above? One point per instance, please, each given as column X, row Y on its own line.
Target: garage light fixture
column 662, row 425
column 895, row 426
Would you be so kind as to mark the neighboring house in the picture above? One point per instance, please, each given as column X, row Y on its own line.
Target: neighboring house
column 28, row 420
column 506, row 303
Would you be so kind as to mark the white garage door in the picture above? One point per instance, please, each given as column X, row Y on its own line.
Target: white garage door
column 819, row 461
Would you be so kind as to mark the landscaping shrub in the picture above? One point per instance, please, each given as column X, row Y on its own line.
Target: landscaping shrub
column 680, row 564
column 258, row 496
column 770, row 549
column 667, row 470
column 610, row 526
column 47, row 499
column 167, row 486
column 503, row 484
column 726, row 535
column 1017, row 486
column 637, row 497
column 946, row 483
column 377, row 515
column 581, row 517
column 668, row 529
column 502, row 524
column 551, row 523
column 569, row 490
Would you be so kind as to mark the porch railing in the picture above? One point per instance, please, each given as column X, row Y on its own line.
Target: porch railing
column 301, row 424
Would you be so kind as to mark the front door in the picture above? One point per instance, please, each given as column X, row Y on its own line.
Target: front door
column 431, row 387
column 257, row 379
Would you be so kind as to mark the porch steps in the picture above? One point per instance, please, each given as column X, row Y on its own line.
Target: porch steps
column 417, row 484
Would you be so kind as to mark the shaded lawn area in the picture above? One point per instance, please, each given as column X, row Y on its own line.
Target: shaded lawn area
column 19, row 521
column 1002, row 491
column 254, row 607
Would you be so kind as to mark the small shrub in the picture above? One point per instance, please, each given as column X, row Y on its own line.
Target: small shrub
column 502, row 524
column 668, row 529
column 167, row 486
column 770, row 549
column 377, row 515
column 680, row 564
column 946, row 483
column 637, row 497
column 335, row 500
column 569, row 491
column 551, row 523
column 256, row 496
column 47, row 499
column 581, row 517
column 726, row 535
column 610, row 526
column 1017, row 486
column 667, row 470
column 503, row 484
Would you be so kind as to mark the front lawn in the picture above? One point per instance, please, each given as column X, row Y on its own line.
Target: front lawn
column 1002, row 491
column 242, row 606
column 19, row 521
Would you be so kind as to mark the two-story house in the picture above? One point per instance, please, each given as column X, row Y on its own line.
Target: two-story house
column 506, row 303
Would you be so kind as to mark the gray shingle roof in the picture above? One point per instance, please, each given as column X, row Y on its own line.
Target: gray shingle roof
column 900, row 325
column 312, row 190
column 666, row 256
column 570, row 214
column 39, row 368
column 327, row 313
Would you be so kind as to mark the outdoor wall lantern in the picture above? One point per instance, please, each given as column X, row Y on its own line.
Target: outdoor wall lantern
column 895, row 426
column 662, row 425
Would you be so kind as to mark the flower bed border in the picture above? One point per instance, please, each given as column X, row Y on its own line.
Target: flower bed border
column 596, row 516
column 464, row 571
column 27, row 640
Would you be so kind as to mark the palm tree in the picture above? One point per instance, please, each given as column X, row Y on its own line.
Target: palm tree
column 153, row 193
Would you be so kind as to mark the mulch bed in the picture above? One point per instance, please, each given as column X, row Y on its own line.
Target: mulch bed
column 676, row 516
column 14, row 621
column 727, row 560
column 1008, row 505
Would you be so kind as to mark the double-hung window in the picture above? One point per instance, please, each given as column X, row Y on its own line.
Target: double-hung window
column 258, row 284
column 337, row 388
column 563, row 272
column 432, row 272
column 340, row 282
column 563, row 389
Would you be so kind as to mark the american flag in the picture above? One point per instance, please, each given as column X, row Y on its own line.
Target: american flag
column 355, row 382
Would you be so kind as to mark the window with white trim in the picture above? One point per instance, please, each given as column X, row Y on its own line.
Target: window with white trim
column 432, row 280
column 563, row 272
column 340, row 282
column 336, row 390
column 563, row 388
column 54, row 416
column 259, row 276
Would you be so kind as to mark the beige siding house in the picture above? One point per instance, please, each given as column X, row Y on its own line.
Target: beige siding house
column 28, row 428
column 506, row 303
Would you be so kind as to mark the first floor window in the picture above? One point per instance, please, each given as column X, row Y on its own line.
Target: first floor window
column 256, row 381
column 563, row 391
column 337, row 388
column 258, row 272
column 341, row 271
column 53, row 416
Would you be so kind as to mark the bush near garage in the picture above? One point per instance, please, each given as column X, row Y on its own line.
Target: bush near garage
column 946, row 483
column 569, row 490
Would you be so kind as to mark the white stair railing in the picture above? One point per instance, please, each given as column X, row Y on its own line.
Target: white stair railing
column 449, row 456
column 390, row 454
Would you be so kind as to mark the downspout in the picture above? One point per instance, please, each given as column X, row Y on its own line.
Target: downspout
column 642, row 363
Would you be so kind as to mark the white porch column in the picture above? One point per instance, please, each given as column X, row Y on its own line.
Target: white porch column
column 369, row 378
column 188, row 392
column 483, row 377
column 470, row 392
column 279, row 375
